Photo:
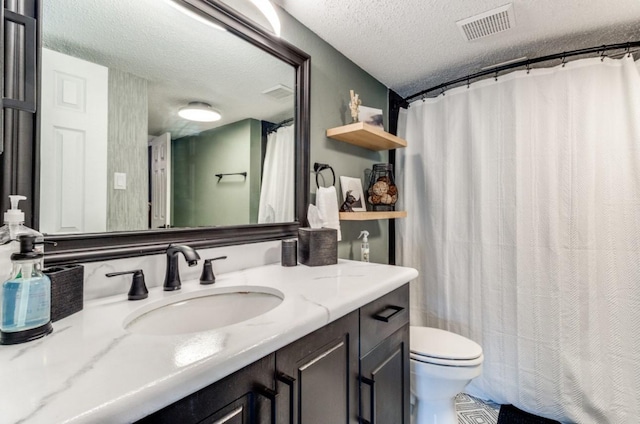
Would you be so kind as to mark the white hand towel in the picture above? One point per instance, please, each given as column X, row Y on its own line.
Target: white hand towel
column 327, row 204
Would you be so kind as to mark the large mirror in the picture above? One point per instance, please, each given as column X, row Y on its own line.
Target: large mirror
column 122, row 165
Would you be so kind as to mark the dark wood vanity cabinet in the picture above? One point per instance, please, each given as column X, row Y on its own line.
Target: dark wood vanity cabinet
column 353, row 370
column 317, row 376
column 384, row 359
column 244, row 397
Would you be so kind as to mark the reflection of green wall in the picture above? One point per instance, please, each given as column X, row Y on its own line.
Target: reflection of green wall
column 198, row 198
column 255, row 176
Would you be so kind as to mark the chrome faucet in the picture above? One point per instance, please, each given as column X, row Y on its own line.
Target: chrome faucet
column 172, row 277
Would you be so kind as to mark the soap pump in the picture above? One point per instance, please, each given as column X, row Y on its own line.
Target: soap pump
column 26, row 297
column 9, row 233
column 14, row 223
column 364, row 247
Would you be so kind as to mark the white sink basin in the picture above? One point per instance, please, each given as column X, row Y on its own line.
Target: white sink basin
column 202, row 310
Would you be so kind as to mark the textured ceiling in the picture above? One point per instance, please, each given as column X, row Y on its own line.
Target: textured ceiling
column 181, row 58
column 411, row 45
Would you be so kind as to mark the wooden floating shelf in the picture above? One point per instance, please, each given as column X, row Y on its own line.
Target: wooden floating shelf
column 367, row 136
column 367, row 216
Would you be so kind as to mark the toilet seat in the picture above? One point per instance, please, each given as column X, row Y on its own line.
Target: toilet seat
column 447, row 362
column 440, row 347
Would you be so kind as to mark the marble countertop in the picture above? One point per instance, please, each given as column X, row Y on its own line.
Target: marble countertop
column 90, row 369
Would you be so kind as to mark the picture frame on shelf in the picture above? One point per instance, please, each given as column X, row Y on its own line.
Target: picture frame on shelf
column 353, row 185
column 371, row 116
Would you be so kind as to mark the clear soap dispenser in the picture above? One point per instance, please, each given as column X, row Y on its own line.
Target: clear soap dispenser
column 13, row 228
column 26, row 297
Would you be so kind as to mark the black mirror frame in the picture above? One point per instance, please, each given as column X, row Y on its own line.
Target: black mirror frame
column 75, row 248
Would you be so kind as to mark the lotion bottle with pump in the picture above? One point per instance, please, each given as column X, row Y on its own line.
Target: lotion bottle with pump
column 364, row 247
column 9, row 233
column 26, row 297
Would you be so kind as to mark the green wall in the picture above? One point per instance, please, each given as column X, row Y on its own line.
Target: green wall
column 199, row 199
column 332, row 76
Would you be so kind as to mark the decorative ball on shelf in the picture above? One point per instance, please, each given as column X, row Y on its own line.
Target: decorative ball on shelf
column 380, row 188
column 374, row 199
column 393, row 190
column 385, row 199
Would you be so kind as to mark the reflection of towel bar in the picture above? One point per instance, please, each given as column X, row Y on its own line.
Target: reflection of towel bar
column 244, row 174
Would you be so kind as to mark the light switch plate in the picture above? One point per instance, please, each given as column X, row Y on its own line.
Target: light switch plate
column 119, row 181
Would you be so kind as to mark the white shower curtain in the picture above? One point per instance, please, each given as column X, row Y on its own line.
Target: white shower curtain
column 277, row 190
column 523, row 200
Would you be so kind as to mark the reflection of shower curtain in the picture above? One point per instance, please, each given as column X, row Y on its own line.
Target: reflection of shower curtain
column 524, row 220
column 276, row 193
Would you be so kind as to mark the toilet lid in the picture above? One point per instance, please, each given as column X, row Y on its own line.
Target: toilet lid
column 436, row 343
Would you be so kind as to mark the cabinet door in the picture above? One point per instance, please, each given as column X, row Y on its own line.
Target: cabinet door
column 317, row 376
column 244, row 397
column 385, row 385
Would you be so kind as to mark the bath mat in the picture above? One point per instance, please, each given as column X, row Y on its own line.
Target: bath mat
column 509, row 414
column 471, row 410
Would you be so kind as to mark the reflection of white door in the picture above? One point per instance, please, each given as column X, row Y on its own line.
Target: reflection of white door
column 73, row 165
column 160, row 180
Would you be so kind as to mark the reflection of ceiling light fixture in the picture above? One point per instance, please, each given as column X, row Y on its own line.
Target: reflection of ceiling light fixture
column 194, row 15
column 199, row 111
column 269, row 12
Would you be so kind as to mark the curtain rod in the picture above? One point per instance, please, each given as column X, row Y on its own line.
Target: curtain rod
column 527, row 63
column 274, row 127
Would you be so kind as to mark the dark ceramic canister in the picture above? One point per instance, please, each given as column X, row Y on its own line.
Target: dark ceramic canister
column 289, row 255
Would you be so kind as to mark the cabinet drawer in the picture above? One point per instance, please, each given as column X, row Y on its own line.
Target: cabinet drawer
column 382, row 317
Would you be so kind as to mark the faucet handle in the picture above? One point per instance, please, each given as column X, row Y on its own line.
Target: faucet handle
column 138, row 288
column 207, row 276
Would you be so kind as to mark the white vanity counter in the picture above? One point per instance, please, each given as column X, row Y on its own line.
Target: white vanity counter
column 90, row 369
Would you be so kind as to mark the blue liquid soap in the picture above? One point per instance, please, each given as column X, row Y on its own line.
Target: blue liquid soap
column 26, row 297
column 26, row 300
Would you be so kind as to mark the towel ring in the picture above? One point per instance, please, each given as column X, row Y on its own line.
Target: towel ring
column 318, row 168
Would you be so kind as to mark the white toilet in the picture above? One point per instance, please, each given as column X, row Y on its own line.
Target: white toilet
column 442, row 364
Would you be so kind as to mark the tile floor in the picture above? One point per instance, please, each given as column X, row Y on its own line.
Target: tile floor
column 475, row 411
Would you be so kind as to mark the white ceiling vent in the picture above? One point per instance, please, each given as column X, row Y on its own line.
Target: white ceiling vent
column 488, row 23
column 278, row 92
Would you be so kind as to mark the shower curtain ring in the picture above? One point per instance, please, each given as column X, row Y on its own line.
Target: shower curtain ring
column 564, row 59
column 628, row 50
column 424, row 97
column 528, row 67
column 442, row 90
column 496, row 76
column 602, row 56
column 468, row 83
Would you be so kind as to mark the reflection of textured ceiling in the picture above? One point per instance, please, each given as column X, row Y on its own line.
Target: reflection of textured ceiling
column 182, row 59
column 410, row 45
